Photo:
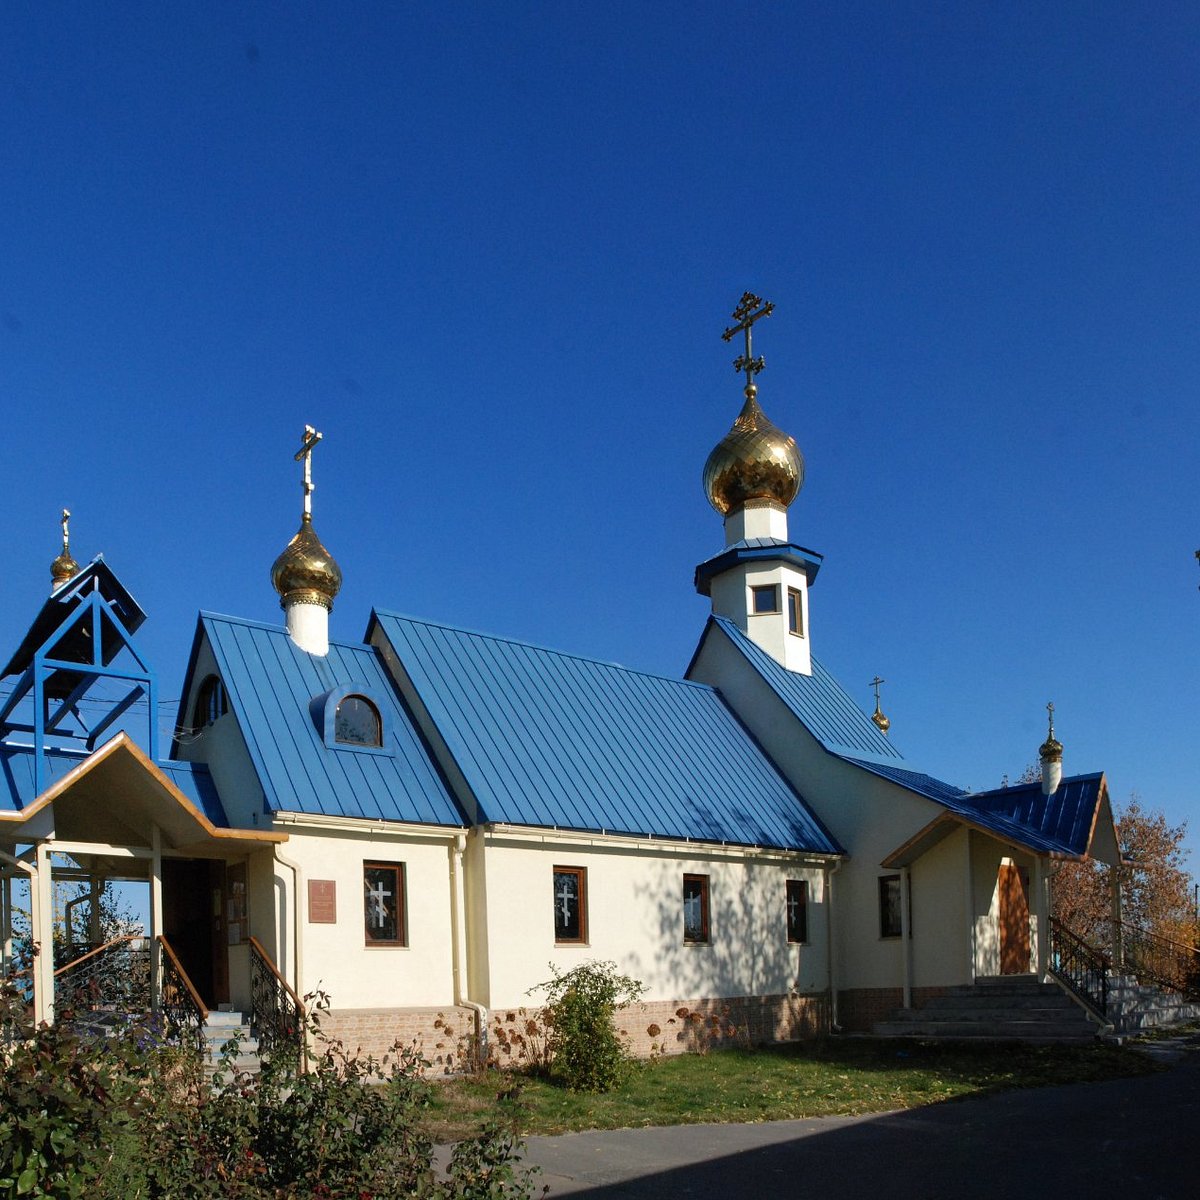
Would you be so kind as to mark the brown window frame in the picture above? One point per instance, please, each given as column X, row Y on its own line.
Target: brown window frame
column 885, row 930
column 797, row 932
column 755, row 589
column 795, row 606
column 580, row 874
column 212, row 702
column 704, row 936
column 399, row 875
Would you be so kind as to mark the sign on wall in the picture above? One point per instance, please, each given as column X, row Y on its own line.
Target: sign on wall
column 322, row 902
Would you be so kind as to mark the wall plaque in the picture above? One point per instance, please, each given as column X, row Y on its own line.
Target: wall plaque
column 322, row 902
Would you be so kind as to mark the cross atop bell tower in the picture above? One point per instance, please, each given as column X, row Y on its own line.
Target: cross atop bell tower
column 750, row 308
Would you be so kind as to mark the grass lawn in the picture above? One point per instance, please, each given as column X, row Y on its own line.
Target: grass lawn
column 798, row 1080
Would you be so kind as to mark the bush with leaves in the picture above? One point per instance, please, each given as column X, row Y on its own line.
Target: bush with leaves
column 586, row 1051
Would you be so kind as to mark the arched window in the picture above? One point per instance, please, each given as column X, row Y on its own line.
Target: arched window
column 357, row 722
column 210, row 703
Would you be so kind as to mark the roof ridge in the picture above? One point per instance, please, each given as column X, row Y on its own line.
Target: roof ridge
column 266, row 626
column 527, row 645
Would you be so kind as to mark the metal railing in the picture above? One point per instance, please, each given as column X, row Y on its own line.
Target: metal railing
column 112, row 979
column 1080, row 968
column 1160, row 960
column 277, row 1014
column 182, row 1009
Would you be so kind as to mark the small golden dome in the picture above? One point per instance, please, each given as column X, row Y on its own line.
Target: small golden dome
column 753, row 461
column 881, row 722
column 64, row 567
column 306, row 573
column 1051, row 749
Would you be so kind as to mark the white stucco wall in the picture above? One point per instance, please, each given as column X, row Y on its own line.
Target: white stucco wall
column 635, row 918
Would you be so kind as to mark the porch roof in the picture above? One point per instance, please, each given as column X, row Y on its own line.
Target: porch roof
column 113, row 797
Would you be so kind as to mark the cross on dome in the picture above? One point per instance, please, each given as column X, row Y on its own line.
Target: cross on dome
column 745, row 316
column 309, row 439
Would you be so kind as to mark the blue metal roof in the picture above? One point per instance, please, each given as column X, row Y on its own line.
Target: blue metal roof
column 757, row 550
column 557, row 741
column 1065, row 818
column 18, row 791
column 272, row 685
column 819, row 702
column 915, row 781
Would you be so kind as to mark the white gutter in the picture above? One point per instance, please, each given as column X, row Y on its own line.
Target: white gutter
column 458, row 913
column 831, row 869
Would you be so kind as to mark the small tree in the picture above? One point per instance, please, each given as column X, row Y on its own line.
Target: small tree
column 587, row 1053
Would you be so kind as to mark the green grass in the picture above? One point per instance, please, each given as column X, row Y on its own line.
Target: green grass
column 799, row 1080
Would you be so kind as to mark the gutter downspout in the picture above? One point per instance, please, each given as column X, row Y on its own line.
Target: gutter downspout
column 831, row 869
column 297, row 939
column 458, row 912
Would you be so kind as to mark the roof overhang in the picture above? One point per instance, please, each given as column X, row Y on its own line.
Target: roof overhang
column 117, row 796
column 946, row 823
column 807, row 561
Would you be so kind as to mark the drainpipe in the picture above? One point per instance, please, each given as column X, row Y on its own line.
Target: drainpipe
column 831, row 869
column 905, row 949
column 297, row 938
column 458, row 913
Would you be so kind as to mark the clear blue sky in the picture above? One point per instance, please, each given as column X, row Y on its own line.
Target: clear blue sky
column 488, row 250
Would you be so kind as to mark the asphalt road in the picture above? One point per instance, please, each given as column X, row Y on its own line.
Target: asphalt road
column 1129, row 1139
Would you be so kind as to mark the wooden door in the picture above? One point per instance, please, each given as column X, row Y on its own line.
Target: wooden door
column 193, row 900
column 1013, row 886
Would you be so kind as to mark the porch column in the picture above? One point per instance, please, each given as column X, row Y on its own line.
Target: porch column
column 1040, row 883
column 972, row 931
column 1118, row 937
column 41, row 894
column 95, row 934
column 905, row 946
column 6, row 883
column 155, row 913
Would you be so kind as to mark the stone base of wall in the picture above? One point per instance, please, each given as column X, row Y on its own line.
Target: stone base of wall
column 440, row 1035
column 860, row 1008
column 680, row 1026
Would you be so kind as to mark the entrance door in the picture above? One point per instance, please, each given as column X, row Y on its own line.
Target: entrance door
column 193, row 901
column 1013, row 884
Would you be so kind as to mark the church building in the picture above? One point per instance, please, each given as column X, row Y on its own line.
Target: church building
column 417, row 822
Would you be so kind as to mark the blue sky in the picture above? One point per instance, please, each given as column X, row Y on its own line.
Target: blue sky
column 489, row 250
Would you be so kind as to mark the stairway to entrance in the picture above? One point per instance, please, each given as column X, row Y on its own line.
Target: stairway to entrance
column 1001, row 1008
column 218, row 1030
column 1134, row 1006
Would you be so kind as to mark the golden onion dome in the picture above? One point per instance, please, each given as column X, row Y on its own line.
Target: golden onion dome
column 1051, row 749
column 882, row 723
column 753, row 461
column 306, row 573
column 64, row 567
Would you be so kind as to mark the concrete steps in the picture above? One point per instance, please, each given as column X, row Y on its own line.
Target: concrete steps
column 1002, row 1008
column 219, row 1029
column 1134, row 1006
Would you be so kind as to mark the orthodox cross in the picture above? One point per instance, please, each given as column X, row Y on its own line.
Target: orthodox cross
column 1050, row 711
column 691, row 913
column 566, row 897
column 310, row 438
column 793, row 907
column 875, row 684
column 66, row 523
column 745, row 316
column 378, row 896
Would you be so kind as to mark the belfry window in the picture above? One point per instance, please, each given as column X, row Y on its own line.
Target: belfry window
column 211, row 704
column 357, row 722
column 795, row 612
column 764, row 598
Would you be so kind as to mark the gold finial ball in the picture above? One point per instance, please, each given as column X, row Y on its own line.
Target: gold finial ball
column 753, row 461
column 306, row 573
column 882, row 722
column 64, row 567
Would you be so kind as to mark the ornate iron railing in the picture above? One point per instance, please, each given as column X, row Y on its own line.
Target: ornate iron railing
column 276, row 1013
column 112, row 978
column 1159, row 960
column 1081, row 968
column 183, row 1011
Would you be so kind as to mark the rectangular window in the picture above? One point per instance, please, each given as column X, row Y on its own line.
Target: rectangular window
column 889, row 906
column 383, row 904
column 570, row 904
column 797, row 910
column 795, row 612
column 695, row 908
column 765, row 598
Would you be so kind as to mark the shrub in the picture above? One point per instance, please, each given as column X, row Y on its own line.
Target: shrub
column 586, row 1052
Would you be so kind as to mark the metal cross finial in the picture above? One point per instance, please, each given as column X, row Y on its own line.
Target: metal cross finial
column 1050, row 711
column 875, row 684
column 66, row 526
column 745, row 316
column 310, row 438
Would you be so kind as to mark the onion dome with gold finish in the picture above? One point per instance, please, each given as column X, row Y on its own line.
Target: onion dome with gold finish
column 306, row 573
column 64, row 567
column 1051, row 749
column 755, row 460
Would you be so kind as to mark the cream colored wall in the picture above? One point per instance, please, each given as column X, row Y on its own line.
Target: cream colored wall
column 635, row 919
column 222, row 747
column 336, row 958
column 869, row 817
column 987, row 855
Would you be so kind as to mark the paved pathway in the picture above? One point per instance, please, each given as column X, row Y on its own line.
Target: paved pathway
column 1132, row 1138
